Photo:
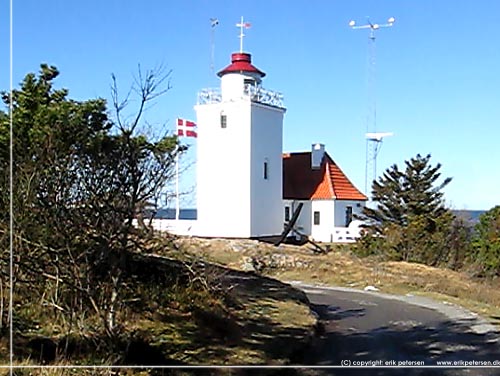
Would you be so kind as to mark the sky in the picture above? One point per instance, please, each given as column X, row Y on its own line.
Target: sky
column 437, row 72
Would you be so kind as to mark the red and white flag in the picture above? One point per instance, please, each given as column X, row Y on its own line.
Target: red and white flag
column 186, row 128
column 246, row 25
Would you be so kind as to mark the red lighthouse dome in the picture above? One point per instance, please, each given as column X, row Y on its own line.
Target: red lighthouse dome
column 241, row 62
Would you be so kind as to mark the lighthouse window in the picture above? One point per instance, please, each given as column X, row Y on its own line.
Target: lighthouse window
column 287, row 213
column 249, row 81
column 223, row 121
column 316, row 217
column 266, row 172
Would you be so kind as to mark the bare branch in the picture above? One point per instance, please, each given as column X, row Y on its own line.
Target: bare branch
column 117, row 105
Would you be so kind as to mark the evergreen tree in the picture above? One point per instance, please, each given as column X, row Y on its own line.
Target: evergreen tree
column 486, row 243
column 400, row 195
column 410, row 221
column 80, row 179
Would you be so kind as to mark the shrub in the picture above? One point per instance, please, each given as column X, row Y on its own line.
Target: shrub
column 485, row 253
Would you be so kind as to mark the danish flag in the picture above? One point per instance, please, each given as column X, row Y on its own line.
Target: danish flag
column 185, row 128
column 246, row 25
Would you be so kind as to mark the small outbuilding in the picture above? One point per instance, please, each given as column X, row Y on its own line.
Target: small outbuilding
column 330, row 201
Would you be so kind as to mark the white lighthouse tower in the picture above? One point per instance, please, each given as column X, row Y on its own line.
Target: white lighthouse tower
column 239, row 161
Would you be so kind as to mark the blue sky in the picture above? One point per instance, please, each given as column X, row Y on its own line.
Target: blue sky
column 437, row 72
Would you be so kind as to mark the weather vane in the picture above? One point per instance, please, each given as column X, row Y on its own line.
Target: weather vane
column 242, row 25
column 213, row 23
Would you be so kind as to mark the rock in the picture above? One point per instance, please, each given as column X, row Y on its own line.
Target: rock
column 371, row 288
column 247, row 267
column 247, row 264
column 273, row 261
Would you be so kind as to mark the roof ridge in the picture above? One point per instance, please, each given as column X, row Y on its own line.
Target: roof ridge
column 344, row 176
column 329, row 176
column 300, row 181
column 296, row 152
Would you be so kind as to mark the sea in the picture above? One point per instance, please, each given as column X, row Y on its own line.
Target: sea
column 169, row 213
column 469, row 215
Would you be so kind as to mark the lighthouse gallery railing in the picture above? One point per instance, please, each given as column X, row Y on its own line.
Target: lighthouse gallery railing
column 255, row 93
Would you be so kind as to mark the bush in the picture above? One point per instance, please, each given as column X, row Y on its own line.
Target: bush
column 485, row 254
column 443, row 241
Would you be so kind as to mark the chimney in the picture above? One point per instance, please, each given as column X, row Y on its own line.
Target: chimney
column 318, row 151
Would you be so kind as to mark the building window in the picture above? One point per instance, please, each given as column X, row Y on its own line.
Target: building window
column 348, row 215
column 287, row 213
column 223, row 121
column 316, row 217
column 266, row 172
column 249, row 81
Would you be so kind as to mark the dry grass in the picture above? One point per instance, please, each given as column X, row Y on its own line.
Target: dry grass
column 261, row 322
column 342, row 268
column 67, row 370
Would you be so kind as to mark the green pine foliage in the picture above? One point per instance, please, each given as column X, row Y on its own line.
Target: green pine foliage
column 80, row 178
column 401, row 195
column 485, row 254
column 410, row 221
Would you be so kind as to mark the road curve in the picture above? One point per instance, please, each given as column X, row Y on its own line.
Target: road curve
column 379, row 328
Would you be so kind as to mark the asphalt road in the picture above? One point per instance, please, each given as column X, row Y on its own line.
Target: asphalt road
column 377, row 328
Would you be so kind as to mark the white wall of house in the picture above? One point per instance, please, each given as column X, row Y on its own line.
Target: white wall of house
column 304, row 222
column 184, row 227
column 341, row 208
column 332, row 226
column 323, row 231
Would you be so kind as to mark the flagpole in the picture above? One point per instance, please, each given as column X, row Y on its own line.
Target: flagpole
column 241, row 35
column 184, row 129
column 177, row 205
column 242, row 25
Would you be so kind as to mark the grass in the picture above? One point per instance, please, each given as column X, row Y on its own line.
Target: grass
column 341, row 267
column 247, row 319
column 218, row 319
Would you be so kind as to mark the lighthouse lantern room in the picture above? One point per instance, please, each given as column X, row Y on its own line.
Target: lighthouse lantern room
column 239, row 155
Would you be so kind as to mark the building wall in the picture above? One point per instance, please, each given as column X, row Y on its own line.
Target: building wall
column 332, row 219
column 304, row 222
column 184, row 227
column 223, row 169
column 233, row 198
column 324, row 232
column 232, row 86
column 341, row 207
column 266, row 206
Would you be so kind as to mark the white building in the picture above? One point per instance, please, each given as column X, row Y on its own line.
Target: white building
column 329, row 199
column 239, row 166
column 246, row 186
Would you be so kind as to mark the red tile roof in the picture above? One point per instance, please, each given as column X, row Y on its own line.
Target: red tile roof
column 301, row 182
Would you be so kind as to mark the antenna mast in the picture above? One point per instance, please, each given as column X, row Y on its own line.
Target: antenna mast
column 213, row 23
column 373, row 139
